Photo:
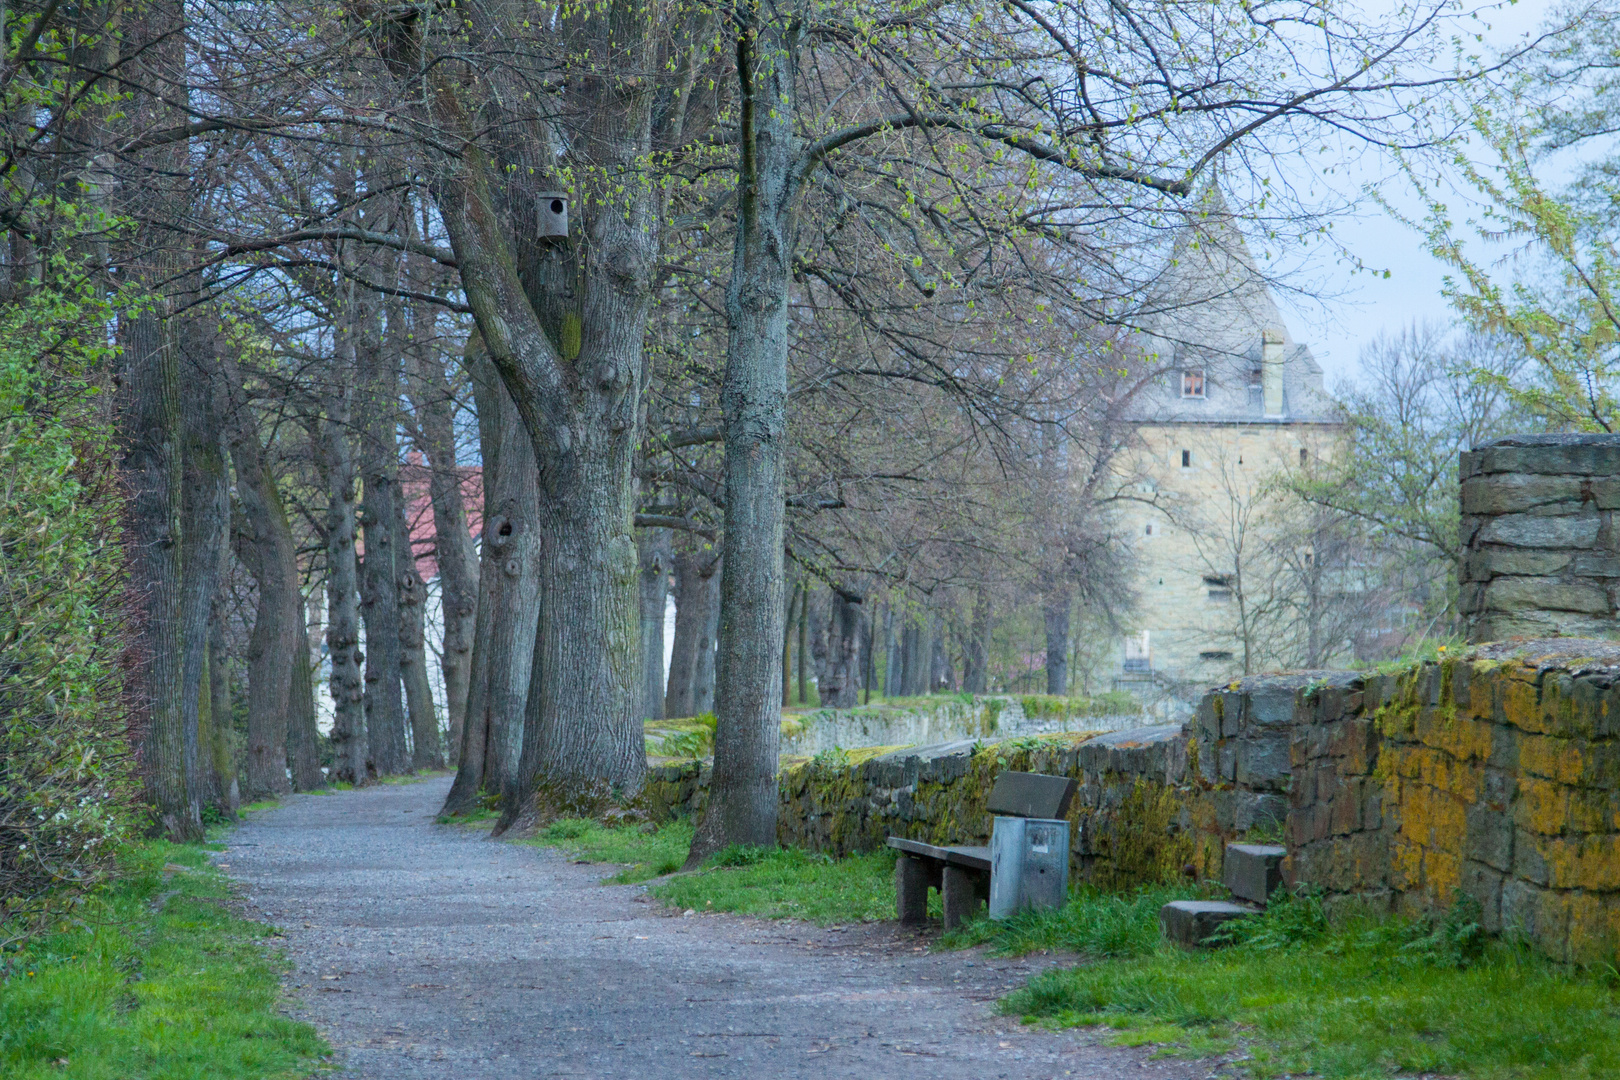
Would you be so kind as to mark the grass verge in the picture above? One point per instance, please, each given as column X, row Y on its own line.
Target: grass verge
column 773, row 883
column 779, row 883
column 643, row 855
column 1366, row 999
column 151, row 979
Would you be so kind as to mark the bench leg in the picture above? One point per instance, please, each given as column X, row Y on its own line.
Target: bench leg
column 959, row 889
column 911, row 881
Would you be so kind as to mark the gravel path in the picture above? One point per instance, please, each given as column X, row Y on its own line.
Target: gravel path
column 423, row 950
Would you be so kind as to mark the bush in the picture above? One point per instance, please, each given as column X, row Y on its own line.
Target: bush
column 64, row 780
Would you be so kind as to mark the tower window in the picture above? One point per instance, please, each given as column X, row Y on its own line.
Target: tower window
column 1186, row 459
column 1149, row 530
column 1192, row 382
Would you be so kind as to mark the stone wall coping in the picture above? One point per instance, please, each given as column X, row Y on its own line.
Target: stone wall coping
column 1568, row 439
column 1142, row 736
column 1548, row 654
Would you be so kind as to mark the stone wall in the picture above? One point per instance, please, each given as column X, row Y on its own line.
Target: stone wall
column 1496, row 775
column 1541, row 556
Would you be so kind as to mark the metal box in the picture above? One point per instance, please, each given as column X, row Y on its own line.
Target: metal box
column 1029, row 864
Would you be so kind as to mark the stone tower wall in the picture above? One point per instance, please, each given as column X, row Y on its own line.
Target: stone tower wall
column 1540, row 551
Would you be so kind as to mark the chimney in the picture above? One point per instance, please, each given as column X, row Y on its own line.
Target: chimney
column 1271, row 370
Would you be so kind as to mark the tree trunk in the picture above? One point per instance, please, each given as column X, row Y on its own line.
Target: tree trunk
column 491, row 404
column 148, row 416
column 654, row 553
column 427, row 751
column 743, row 789
column 205, row 525
column 804, row 645
column 303, row 738
column 378, row 381
column 975, row 663
column 892, row 673
column 572, row 360
column 846, row 651
column 453, row 547
column 264, row 543
column 347, row 683
column 1056, row 604
column 694, row 599
column 221, row 715
column 513, row 540
column 703, row 682
column 787, row 646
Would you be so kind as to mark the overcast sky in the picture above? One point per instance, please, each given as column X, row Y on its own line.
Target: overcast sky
column 1338, row 328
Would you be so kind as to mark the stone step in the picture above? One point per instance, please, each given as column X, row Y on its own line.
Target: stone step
column 1253, row 871
column 1189, row 922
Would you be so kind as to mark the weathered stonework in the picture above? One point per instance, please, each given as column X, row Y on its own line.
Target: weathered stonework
column 1541, row 556
column 1496, row 775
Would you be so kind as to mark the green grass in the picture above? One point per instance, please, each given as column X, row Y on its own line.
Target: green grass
column 644, row 855
column 1365, row 999
column 1095, row 924
column 772, row 883
column 152, row 979
column 776, row 883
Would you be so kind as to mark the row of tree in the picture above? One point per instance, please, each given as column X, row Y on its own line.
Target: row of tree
column 710, row 291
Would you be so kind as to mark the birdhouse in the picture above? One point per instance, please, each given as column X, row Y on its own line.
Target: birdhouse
column 553, row 215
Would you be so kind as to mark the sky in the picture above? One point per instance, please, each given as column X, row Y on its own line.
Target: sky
column 1362, row 306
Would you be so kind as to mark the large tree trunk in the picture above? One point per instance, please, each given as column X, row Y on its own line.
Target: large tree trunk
column 1056, row 603
column 264, row 543
column 205, row 531
column 564, row 319
column 453, row 547
column 347, row 683
column 379, row 573
column 743, row 790
column 153, row 190
column 426, row 749
column 654, row 554
column 975, row 663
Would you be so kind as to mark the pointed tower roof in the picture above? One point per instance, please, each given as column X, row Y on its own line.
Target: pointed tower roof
column 1208, row 313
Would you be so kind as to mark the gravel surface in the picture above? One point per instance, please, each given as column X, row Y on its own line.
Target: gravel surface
column 423, row 950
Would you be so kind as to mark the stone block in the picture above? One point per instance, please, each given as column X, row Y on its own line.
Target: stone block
column 1529, row 865
column 1540, row 594
column 1574, row 455
column 1253, row 871
column 1258, row 810
column 1462, row 677
column 1594, row 564
column 1262, row 764
column 1490, row 836
column 1484, row 884
column 1535, row 531
column 1509, row 493
column 1189, row 923
column 1271, row 703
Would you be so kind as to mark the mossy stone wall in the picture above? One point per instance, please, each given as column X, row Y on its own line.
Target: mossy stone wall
column 1496, row 775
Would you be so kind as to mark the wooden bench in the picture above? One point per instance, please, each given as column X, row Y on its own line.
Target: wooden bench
column 962, row 874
